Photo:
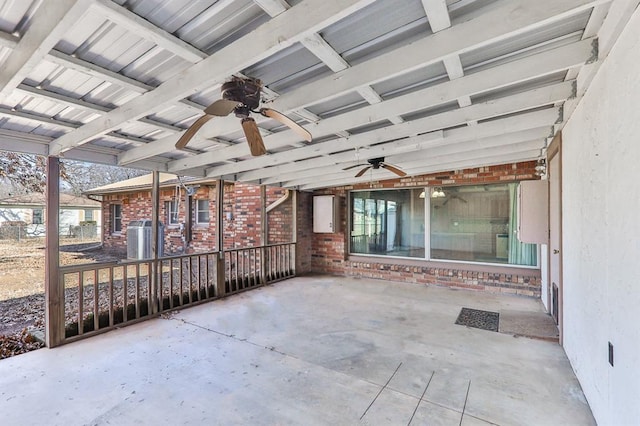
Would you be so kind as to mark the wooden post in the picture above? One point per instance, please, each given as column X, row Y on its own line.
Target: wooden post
column 155, row 298
column 54, row 287
column 220, row 267
column 294, row 229
column 264, row 235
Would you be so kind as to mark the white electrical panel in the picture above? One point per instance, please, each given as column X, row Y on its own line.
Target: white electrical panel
column 325, row 218
column 533, row 211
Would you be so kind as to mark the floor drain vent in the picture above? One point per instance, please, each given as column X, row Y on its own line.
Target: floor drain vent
column 484, row 320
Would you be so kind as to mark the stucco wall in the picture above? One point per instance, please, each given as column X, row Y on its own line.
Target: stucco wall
column 601, row 234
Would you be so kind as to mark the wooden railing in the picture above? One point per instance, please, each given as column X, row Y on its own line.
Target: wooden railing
column 101, row 296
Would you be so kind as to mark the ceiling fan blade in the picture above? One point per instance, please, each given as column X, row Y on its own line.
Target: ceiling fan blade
column 301, row 131
column 363, row 171
column 354, row 166
column 254, row 139
column 192, row 130
column 393, row 169
column 221, row 107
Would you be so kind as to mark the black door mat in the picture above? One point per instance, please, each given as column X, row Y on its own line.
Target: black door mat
column 484, row 320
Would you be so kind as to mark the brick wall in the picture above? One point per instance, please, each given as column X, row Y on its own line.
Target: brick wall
column 138, row 205
column 304, row 227
column 280, row 219
column 328, row 251
column 241, row 218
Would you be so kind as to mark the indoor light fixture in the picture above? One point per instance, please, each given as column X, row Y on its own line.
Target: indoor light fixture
column 421, row 194
column 437, row 193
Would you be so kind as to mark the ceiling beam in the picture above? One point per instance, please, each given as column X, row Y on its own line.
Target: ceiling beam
column 67, row 101
column 148, row 31
column 492, row 128
column 323, row 51
column 273, row 8
column 501, row 21
column 520, row 70
column 453, row 65
column 509, row 157
column 271, row 37
column 437, row 14
column 473, row 158
column 49, row 23
column 408, row 153
column 37, row 118
column 414, row 55
column 490, row 79
column 428, row 157
column 77, row 64
column 82, row 105
column 521, row 102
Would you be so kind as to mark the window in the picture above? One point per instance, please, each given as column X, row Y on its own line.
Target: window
column 116, row 218
column 88, row 215
column 389, row 223
column 202, row 211
column 466, row 223
column 171, row 209
column 477, row 223
column 37, row 216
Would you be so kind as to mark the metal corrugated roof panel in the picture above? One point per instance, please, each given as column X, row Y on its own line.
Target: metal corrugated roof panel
column 338, row 105
column 216, row 27
column 438, row 109
column 29, row 126
column 288, row 69
column 519, row 87
column 377, row 28
column 175, row 115
column 205, row 24
column 551, row 35
column 413, row 80
column 77, row 85
column 114, row 47
column 13, row 14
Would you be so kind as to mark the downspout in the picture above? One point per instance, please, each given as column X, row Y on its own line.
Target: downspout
column 279, row 201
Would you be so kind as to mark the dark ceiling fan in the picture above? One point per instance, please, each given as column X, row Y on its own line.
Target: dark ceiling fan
column 242, row 97
column 376, row 163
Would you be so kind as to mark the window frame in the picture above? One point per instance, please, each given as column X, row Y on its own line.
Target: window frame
column 197, row 210
column 172, row 212
column 40, row 215
column 427, row 231
column 349, row 221
column 116, row 218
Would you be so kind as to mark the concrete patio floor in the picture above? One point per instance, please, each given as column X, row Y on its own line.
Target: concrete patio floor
column 309, row 350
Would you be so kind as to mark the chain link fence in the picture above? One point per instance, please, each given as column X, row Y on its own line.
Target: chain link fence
column 18, row 231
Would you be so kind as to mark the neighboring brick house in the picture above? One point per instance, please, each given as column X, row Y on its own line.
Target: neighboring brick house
column 188, row 209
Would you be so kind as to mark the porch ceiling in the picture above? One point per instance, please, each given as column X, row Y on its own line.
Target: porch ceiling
column 431, row 85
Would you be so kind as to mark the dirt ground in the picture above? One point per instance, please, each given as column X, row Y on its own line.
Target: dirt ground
column 22, row 278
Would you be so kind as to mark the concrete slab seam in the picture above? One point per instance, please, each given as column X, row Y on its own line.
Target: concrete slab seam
column 421, row 398
column 381, row 389
column 466, row 397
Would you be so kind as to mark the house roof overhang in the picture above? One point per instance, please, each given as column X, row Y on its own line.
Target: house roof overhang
column 430, row 85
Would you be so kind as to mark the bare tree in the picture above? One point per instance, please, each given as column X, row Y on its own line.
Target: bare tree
column 25, row 172
column 81, row 176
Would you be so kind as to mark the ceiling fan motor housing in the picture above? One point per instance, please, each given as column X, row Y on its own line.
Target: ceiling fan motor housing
column 375, row 162
column 245, row 91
